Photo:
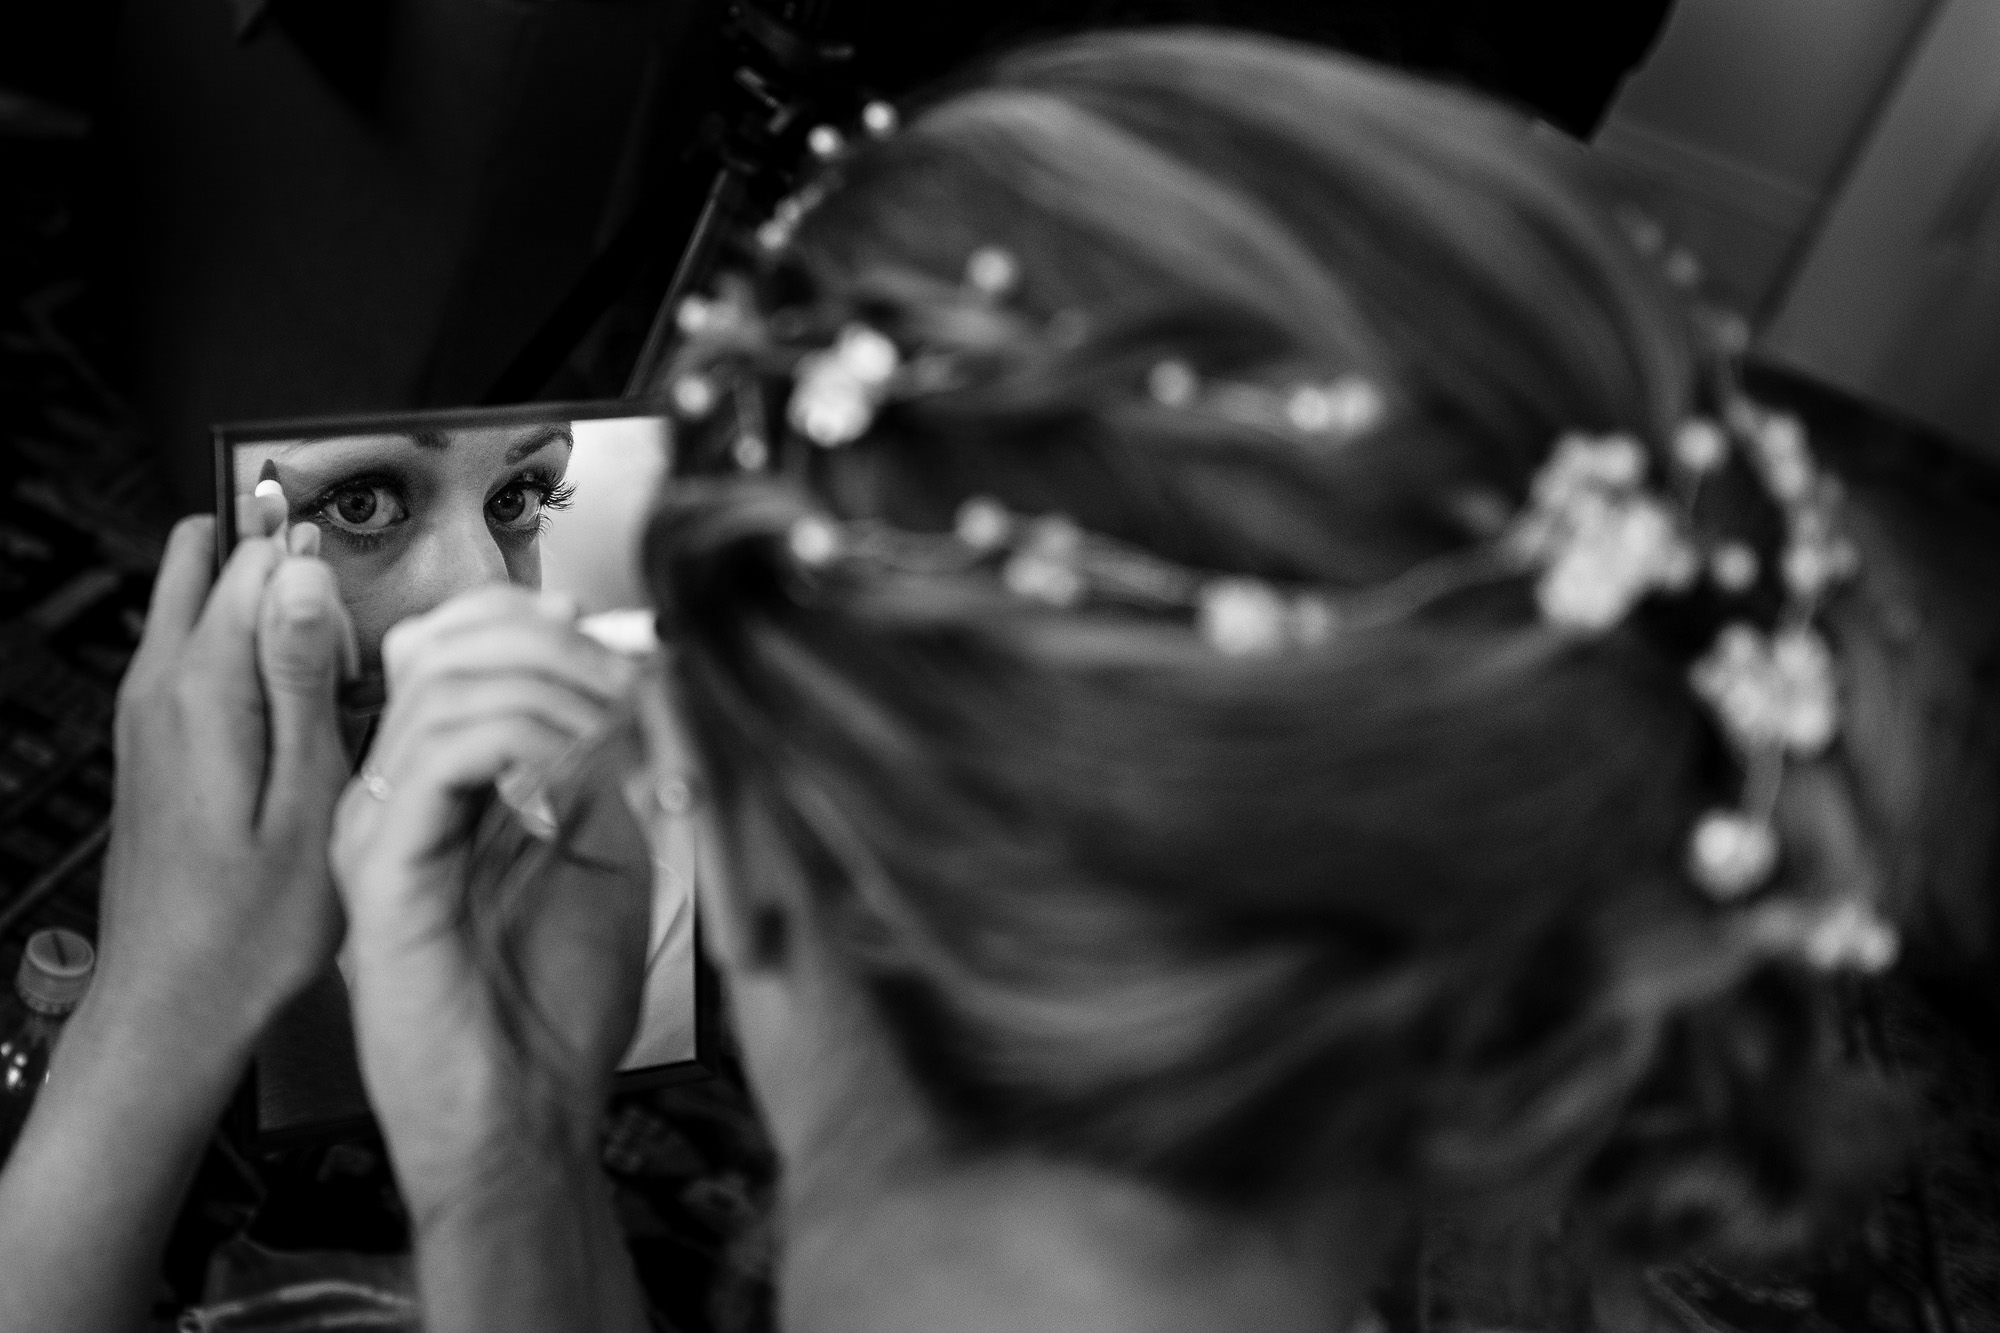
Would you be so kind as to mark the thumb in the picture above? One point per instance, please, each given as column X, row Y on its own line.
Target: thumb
column 305, row 641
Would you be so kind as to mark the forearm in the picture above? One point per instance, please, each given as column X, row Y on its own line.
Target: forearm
column 96, row 1178
column 534, row 1244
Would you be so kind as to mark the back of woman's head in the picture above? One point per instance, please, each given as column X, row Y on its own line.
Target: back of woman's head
column 1409, row 905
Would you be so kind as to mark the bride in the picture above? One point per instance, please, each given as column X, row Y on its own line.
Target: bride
column 1248, row 677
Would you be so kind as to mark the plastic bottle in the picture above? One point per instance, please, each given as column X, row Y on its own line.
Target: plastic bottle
column 55, row 972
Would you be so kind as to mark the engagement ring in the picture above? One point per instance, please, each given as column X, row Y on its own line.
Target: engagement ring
column 375, row 784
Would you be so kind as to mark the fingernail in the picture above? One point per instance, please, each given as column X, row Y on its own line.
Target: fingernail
column 305, row 540
column 301, row 610
column 628, row 632
column 300, row 598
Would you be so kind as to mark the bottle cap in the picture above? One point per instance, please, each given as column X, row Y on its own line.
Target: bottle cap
column 55, row 971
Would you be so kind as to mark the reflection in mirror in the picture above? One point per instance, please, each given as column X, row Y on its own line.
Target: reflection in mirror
column 416, row 509
column 412, row 516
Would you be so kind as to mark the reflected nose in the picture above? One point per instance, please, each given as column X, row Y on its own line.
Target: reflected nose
column 455, row 554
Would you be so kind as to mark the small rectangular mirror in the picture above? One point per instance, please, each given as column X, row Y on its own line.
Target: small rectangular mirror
column 413, row 508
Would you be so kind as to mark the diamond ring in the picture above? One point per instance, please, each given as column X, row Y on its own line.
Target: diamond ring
column 375, row 784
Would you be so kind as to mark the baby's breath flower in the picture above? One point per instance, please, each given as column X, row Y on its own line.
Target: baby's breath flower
column 1771, row 690
column 1731, row 854
column 1242, row 617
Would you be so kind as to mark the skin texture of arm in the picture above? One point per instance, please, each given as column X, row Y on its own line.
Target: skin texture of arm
column 98, row 1173
column 216, row 907
column 531, row 1242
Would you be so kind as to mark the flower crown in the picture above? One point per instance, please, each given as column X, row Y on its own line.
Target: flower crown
column 1601, row 531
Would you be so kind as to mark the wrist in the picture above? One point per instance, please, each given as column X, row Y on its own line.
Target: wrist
column 509, row 1179
column 465, row 1097
column 469, row 1125
column 154, row 1089
column 202, row 1027
column 508, row 1160
column 531, row 1242
column 125, row 1028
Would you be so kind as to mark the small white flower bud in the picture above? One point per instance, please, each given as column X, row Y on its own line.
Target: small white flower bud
column 866, row 354
column 694, row 396
column 879, row 119
column 831, row 409
column 1731, row 855
column 1852, row 936
column 1734, row 567
column 814, row 541
column 1242, row 617
column 1781, row 447
column 1700, row 446
column 1619, row 461
column 1355, row 405
column 1042, row 578
column 1309, row 409
column 1172, row 384
column 992, row 271
column 693, row 315
column 983, row 523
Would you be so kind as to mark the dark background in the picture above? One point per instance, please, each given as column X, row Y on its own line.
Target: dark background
column 284, row 207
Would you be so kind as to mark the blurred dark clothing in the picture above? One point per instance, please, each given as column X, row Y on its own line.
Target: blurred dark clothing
column 374, row 205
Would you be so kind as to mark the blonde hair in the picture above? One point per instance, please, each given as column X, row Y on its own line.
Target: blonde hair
column 1410, row 907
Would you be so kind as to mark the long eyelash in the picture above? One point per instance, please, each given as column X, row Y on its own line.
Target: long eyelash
column 314, row 511
column 555, row 494
column 360, row 541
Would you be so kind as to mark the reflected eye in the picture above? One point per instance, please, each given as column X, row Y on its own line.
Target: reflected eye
column 363, row 508
column 522, row 505
column 517, row 506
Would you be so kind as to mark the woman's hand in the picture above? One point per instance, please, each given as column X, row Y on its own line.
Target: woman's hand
column 496, row 986
column 216, row 907
column 495, row 979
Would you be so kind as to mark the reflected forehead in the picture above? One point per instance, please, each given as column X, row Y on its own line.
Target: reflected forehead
column 388, row 438
column 513, row 443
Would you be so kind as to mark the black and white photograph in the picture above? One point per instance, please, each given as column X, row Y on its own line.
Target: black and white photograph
column 802, row 666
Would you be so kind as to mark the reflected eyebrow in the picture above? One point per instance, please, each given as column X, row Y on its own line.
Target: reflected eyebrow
column 425, row 437
column 558, row 431
column 422, row 437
